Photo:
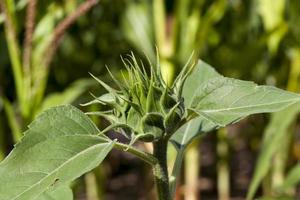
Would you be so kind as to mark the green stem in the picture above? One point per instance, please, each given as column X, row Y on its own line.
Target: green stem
column 158, row 162
column 148, row 158
column 160, row 170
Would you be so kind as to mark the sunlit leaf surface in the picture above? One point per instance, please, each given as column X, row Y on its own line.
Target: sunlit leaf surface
column 59, row 146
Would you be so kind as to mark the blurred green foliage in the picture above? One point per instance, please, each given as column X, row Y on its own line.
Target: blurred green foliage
column 256, row 40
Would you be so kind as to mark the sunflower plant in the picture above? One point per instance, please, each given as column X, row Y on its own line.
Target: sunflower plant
column 62, row 143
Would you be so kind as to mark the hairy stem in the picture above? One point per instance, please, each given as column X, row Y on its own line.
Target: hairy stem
column 160, row 170
column 148, row 158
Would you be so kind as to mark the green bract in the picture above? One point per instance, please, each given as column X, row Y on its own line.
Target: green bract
column 144, row 107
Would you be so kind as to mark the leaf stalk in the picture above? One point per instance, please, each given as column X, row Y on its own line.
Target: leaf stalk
column 148, row 158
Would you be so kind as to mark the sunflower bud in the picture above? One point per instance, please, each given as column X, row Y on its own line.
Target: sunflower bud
column 144, row 107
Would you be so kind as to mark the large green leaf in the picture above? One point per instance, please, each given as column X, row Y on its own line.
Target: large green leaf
column 59, row 146
column 218, row 101
column 222, row 101
column 59, row 193
column 200, row 75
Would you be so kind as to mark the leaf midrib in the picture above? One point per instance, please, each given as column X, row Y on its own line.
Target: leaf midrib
column 248, row 106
